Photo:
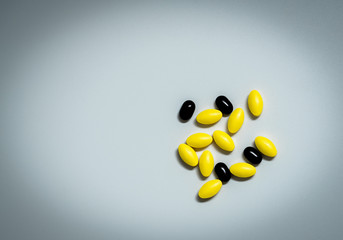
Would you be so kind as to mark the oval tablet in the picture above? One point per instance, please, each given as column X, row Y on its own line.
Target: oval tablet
column 265, row 146
column 199, row 140
column 255, row 103
column 209, row 116
column 206, row 163
column 187, row 110
column 210, row 188
column 223, row 140
column 253, row 155
column 222, row 171
column 236, row 120
column 188, row 155
column 243, row 170
column 224, row 105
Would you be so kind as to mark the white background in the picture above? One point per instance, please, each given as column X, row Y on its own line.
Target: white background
column 90, row 94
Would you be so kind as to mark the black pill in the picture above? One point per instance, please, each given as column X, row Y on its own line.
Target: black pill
column 224, row 105
column 187, row 110
column 253, row 155
column 222, row 171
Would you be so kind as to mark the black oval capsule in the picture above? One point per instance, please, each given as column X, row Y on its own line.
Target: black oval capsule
column 224, row 105
column 253, row 155
column 187, row 110
column 222, row 171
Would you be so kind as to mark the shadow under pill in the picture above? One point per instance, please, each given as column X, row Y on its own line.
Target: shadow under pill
column 267, row 158
column 238, row 179
column 224, row 183
column 181, row 120
column 201, row 200
column 231, row 134
column 199, row 149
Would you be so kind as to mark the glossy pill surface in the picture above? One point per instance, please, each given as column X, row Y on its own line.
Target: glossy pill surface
column 209, row 116
column 210, row 188
column 188, row 155
column 222, row 171
column 252, row 155
column 199, row 140
column 187, row 109
column 255, row 103
column 236, row 120
column 223, row 140
column 265, row 146
column 224, row 105
column 206, row 163
column 243, row 170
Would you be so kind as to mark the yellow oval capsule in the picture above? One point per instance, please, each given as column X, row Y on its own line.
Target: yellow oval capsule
column 209, row 116
column 188, row 155
column 210, row 188
column 199, row 140
column 255, row 103
column 223, row 140
column 236, row 120
column 265, row 146
column 243, row 170
column 206, row 163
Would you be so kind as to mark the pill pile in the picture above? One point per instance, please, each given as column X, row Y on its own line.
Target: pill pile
column 264, row 146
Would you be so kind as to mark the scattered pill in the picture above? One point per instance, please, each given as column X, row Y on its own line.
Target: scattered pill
column 223, row 140
column 222, row 172
column 243, row 170
column 236, row 120
column 199, row 140
column 210, row 188
column 188, row 155
column 209, row 116
column 224, row 105
column 206, row 163
column 255, row 103
column 265, row 146
column 253, row 155
column 187, row 110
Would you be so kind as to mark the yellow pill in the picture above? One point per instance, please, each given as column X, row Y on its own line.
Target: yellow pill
column 188, row 155
column 243, row 170
column 265, row 146
column 206, row 163
column 210, row 188
column 209, row 116
column 236, row 120
column 255, row 103
column 199, row 140
column 223, row 140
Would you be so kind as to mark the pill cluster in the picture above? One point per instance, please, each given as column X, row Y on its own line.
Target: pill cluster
column 223, row 140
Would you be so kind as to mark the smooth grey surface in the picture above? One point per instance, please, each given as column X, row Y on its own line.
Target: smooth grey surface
column 89, row 96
